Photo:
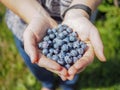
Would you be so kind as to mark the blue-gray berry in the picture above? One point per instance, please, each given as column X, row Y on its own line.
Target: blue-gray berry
column 55, row 57
column 61, row 61
column 69, row 30
column 45, row 44
column 80, row 51
column 45, row 51
column 68, row 59
column 52, row 36
column 72, row 38
column 74, row 53
column 67, row 66
column 49, row 31
column 64, row 47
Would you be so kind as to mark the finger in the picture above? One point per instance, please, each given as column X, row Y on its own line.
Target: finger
column 97, row 44
column 63, row 77
column 50, row 64
column 83, row 62
column 30, row 46
column 71, row 77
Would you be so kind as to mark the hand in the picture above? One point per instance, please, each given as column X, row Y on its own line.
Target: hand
column 88, row 33
column 32, row 36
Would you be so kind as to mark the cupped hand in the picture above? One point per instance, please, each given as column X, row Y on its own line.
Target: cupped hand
column 33, row 34
column 88, row 33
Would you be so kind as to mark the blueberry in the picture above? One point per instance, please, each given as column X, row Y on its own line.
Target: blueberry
column 64, row 26
column 46, row 38
column 51, row 50
column 45, row 51
column 40, row 45
column 56, row 51
column 80, row 51
column 52, row 36
column 64, row 47
column 74, row 34
column 59, row 42
column 55, row 57
column 70, row 45
column 61, row 36
column 45, row 44
column 68, row 59
column 49, row 55
column 67, row 66
column 65, row 33
column 61, row 61
column 61, row 55
column 54, row 30
column 74, row 53
column 56, row 45
column 76, row 44
column 66, row 40
column 84, row 46
column 69, row 30
column 72, row 38
column 75, row 59
column 60, row 29
column 79, row 56
column 49, row 31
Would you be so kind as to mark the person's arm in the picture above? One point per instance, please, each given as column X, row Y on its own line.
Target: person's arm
column 92, row 4
column 26, row 9
column 38, row 22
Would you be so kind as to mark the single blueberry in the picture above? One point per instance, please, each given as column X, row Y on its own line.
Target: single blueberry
column 49, row 31
column 69, row 30
column 55, row 57
column 61, row 55
column 75, row 59
column 56, row 51
column 80, row 51
column 46, row 38
column 74, row 34
column 84, row 46
column 67, row 66
column 61, row 61
column 49, row 55
column 65, row 33
column 74, row 53
column 79, row 56
column 40, row 45
column 70, row 45
column 56, row 46
column 72, row 38
column 66, row 40
column 76, row 44
column 61, row 36
column 64, row 47
column 54, row 30
column 52, row 36
column 45, row 51
column 68, row 59
column 51, row 50
column 45, row 44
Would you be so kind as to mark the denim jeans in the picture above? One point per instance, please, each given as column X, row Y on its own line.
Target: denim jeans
column 46, row 77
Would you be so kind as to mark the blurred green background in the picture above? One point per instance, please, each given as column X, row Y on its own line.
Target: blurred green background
column 14, row 75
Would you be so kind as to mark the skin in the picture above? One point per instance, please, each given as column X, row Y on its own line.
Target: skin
column 39, row 20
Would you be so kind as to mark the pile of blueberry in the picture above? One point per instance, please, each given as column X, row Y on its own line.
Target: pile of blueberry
column 62, row 45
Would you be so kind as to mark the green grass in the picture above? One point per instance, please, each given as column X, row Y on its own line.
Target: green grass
column 14, row 75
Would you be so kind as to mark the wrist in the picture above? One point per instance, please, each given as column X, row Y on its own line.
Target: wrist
column 76, row 13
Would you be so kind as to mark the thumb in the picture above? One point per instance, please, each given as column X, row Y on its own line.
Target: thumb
column 97, row 44
column 30, row 45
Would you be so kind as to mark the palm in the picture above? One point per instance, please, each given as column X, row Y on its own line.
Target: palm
column 89, row 34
